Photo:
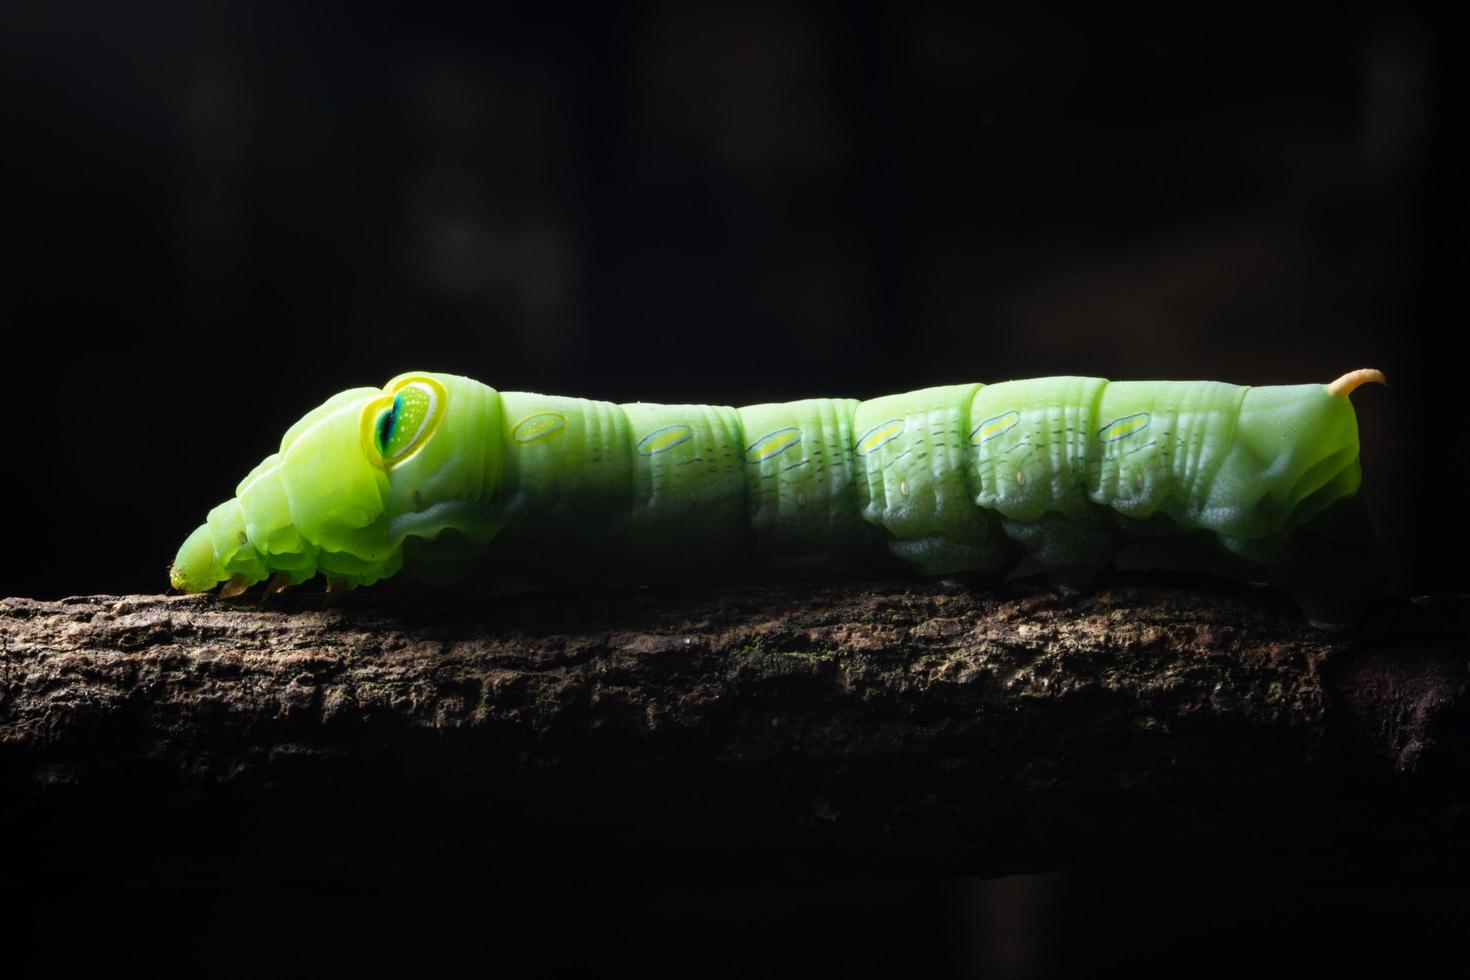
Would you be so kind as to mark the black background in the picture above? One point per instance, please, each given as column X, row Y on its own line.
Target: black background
column 220, row 213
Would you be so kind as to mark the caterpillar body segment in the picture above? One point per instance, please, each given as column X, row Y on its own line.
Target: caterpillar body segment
column 801, row 490
column 440, row 474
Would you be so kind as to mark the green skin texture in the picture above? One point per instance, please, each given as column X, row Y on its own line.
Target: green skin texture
column 944, row 480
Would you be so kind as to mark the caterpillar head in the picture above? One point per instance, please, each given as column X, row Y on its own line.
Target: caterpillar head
column 353, row 479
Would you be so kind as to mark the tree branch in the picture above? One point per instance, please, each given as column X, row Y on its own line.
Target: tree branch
column 903, row 728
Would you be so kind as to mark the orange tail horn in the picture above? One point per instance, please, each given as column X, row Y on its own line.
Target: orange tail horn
column 1353, row 380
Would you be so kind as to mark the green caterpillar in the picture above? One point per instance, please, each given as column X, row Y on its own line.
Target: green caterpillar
column 435, row 472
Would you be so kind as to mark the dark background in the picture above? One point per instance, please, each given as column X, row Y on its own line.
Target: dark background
column 220, row 213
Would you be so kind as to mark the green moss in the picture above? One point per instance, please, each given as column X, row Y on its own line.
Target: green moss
column 818, row 653
column 762, row 647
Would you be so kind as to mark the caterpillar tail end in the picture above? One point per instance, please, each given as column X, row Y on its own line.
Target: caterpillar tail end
column 194, row 568
column 1354, row 380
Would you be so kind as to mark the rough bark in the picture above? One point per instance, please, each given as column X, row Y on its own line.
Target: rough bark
column 921, row 729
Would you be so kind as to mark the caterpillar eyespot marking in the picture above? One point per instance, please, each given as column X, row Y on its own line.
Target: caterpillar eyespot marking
column 425, row 474
column 535, row 427
column 412, row 412
column 995, row 426
column 1124, row 427
column 664, row 439
column 880, row 435
column 772, row 444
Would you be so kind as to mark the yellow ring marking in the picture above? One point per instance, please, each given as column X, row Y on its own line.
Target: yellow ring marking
column 664, row 439
column 879, row 435
column 772, row 444
column 994, row 426
column 1124, row 427
column 538, row 426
